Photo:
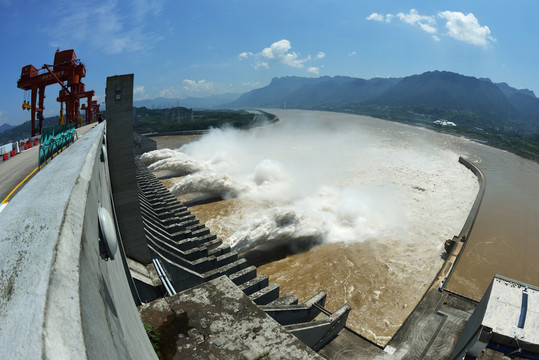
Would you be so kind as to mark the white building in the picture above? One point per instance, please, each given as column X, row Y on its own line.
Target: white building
column 506, row 320
column 444, row 123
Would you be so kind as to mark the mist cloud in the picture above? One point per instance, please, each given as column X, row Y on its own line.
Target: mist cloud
column 314, row 182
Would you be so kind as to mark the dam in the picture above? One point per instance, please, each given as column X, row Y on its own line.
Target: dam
column 87, row 294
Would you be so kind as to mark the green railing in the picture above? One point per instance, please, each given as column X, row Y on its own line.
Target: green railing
column 54, row 139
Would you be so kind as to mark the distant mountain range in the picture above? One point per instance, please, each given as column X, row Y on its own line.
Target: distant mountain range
column 23, row 131
column 208, row 102
column 465, row 100
column 5, row 127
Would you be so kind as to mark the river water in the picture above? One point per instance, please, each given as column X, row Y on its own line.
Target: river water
column 374, row 202
column 505, row 236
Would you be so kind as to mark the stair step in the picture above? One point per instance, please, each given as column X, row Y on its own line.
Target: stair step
column 265, row 295
column 254, row 285
column 243, row 275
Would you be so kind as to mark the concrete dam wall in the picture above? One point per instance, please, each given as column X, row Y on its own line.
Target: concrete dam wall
column 58, row 297
column 73, row 237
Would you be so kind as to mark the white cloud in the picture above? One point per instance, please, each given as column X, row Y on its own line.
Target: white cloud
column 466, row 28
column 261, row 64
column 375, row 17
column 169, row 92
column 353, row 53
column 379, row 17
column 280, row 52
column 427, row 28
column 460, row 27
column 426, row 23
column 313, row 69
column 413, row 17
column 139, row 94
column 198, row 86
column 245, row 55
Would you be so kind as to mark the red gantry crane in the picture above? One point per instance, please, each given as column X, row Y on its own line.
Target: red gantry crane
column 67, row 71
column 91, row 108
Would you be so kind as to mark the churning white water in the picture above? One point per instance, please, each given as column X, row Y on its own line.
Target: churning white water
column 378, row 198
column 324, row 181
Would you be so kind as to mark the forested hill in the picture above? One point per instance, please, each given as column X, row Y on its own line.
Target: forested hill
column 465, row 100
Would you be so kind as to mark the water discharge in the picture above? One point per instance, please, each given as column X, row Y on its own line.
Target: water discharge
column 379, row 200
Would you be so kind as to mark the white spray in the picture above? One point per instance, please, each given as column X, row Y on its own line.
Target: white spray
column 325, row 181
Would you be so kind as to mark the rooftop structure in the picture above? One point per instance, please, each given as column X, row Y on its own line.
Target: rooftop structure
column 506, row 320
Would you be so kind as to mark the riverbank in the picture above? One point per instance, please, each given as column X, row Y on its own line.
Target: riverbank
column 521, row 144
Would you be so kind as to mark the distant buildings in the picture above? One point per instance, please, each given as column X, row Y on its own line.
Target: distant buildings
column 442, row 122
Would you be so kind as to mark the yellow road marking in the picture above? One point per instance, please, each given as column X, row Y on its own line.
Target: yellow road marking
column 16, row 187
column 5, row 201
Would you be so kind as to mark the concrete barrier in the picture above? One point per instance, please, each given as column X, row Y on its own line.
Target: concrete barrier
column 58, row 298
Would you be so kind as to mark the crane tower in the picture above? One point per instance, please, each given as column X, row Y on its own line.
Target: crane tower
column 67, row 71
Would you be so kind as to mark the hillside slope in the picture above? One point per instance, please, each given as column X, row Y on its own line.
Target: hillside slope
column 465, row 100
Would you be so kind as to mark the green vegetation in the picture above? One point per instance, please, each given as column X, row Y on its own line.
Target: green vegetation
column 496, row 113
column 182, row 119
column 154, row 337
column 520, row 143
column 24, row 130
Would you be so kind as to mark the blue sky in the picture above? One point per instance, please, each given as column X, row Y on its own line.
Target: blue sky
column 180, row 48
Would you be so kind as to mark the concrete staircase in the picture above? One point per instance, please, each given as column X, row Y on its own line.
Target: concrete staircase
column 190, row 255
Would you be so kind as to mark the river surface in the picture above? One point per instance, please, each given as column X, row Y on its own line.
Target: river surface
column 374, row 202
column 505, row 236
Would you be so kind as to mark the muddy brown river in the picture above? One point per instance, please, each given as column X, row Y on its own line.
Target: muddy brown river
column 387, row 223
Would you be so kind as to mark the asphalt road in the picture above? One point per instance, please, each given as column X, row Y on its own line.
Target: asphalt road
column 16, row 169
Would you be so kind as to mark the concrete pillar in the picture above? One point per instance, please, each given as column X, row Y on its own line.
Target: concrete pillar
column 119, row 116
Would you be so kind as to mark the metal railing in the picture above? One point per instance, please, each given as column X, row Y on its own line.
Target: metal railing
column 54, row 139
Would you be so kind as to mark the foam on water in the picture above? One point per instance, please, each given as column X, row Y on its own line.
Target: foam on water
column 208, row 183
column 379, row 198
column 156, row 155
column 177, row 165
column 325, row 182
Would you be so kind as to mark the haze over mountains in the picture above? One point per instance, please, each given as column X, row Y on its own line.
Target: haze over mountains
column 5, row 127
column 466, row 100
column 207, row 102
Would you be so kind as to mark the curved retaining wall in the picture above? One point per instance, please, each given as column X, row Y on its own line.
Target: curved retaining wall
column 470, row 220
column 58, row 298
